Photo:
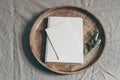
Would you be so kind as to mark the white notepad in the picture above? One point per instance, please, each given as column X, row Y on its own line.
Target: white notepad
column 77, row 28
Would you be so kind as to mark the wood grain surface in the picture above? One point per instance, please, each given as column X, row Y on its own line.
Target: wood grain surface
column 38, row 38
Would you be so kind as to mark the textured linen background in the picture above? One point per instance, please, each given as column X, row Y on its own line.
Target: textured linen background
column 16, row 19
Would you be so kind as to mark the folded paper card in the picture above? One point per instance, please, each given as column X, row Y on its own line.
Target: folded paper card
column 66, row 40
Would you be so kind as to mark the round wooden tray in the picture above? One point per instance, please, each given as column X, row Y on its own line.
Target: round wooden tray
column 38, row 38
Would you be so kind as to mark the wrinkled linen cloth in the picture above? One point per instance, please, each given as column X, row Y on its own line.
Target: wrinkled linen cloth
column 16, row 20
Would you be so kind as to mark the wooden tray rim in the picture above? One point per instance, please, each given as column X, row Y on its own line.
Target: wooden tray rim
column 53, row 9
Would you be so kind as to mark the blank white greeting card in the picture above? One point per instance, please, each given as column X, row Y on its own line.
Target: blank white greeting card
column 76, row 29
